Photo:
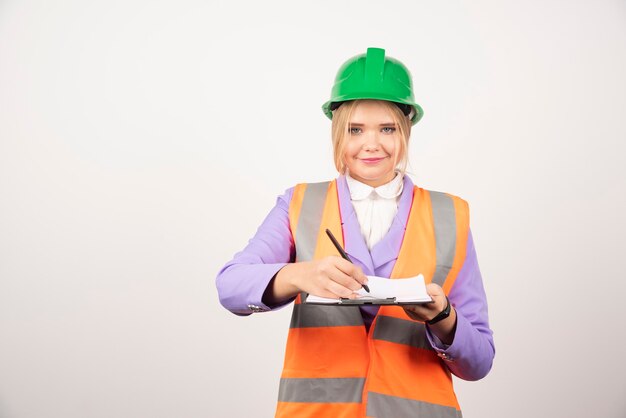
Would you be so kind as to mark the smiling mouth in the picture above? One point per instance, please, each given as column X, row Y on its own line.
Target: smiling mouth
column 372, row 160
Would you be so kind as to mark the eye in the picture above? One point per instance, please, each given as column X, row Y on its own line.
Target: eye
column 355, row 131
column 388, row 130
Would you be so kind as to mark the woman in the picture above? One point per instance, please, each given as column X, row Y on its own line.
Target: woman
column 375, row 361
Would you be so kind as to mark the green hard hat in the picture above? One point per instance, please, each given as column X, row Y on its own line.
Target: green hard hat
column 373, row 76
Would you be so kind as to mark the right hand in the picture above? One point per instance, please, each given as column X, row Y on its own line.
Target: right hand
column 329, row 277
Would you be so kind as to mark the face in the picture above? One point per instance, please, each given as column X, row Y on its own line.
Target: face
column 371, row 145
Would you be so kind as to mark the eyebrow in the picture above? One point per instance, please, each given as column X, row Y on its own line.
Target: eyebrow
column 362, row 124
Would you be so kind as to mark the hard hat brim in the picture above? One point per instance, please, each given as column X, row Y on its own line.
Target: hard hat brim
column 419, row 112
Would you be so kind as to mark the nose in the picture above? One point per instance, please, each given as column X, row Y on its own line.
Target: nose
column 372, row 142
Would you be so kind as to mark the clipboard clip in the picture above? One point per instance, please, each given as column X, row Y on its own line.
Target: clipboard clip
column 386, row 301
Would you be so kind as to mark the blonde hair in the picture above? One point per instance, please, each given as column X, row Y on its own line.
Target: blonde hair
column 340, row 133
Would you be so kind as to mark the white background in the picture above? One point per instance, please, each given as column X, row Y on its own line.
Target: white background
column 143, row 142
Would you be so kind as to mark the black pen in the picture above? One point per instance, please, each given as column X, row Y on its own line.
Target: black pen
column 342, row 252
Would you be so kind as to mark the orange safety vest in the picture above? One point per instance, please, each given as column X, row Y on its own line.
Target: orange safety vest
column 333, row 366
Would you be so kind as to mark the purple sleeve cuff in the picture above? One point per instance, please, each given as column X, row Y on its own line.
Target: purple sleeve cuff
column 243, row 280
column 471, row 353
column 243, row 297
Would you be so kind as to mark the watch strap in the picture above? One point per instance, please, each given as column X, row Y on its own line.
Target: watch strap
column 441, row 315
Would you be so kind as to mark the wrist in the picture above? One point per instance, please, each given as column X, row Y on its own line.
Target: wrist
column 285, row 281
column 445, row 313
column 445, row 329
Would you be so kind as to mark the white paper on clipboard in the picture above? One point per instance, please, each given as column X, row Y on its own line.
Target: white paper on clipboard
column 408, row 290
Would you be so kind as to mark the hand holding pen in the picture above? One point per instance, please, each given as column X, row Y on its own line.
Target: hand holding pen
column 330, row 277
column 344, row 255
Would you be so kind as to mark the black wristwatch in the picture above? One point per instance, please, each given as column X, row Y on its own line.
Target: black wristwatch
column 441, row 315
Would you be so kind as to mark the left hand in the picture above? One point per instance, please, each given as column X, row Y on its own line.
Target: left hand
column 444, row 329
column 428, row 311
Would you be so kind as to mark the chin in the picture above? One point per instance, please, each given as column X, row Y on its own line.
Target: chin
column 374, row 177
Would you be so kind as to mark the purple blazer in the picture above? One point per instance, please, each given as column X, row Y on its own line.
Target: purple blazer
column 243, row 280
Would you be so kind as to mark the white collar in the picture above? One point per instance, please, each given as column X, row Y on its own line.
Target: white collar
column 361, row 191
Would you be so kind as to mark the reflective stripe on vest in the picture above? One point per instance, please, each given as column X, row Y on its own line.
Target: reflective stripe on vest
column 400, row 331
column 334, row 390
column 306, row 316
column 384, row 406
column 309, row 220
column 445, row 234
column 330, row 356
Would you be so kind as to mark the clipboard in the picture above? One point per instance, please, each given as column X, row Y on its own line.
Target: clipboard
column 366, row 301
column 383, row 291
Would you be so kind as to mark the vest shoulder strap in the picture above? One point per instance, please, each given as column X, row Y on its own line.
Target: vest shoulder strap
column 451, row 228
column 305, row 216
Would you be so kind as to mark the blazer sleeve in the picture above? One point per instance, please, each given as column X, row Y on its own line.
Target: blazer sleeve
column 243, row 280
column 470, row 356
